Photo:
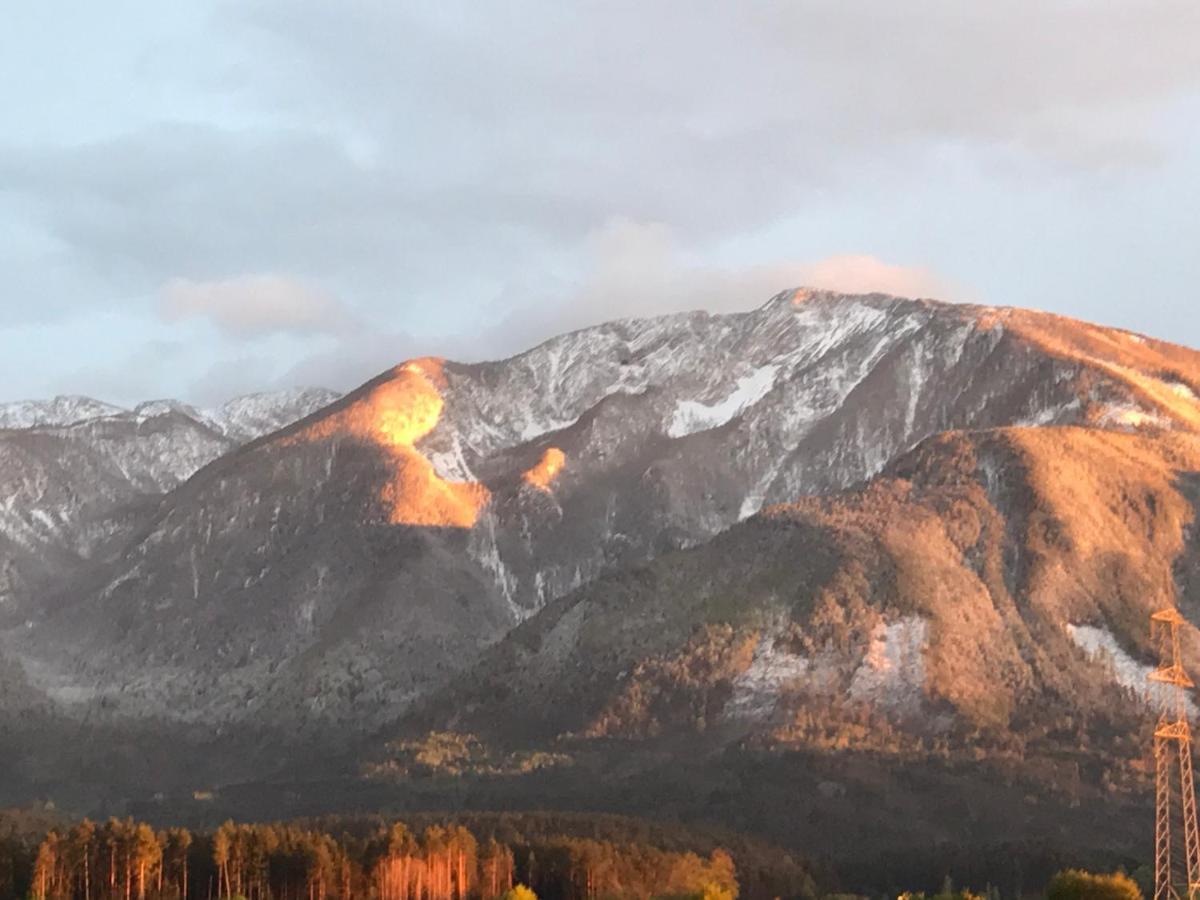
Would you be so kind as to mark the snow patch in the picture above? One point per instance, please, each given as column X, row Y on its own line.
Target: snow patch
column 892, row 673
column 485, row 549
column 451, row 465
column 43, row 517
column 691, row 416
column 1127, row 415
column 830, row 327
column 536, row 428
column 753, row 501
column 756, row 690
column 1101, row 646
column 1182, row 390
column 1050, row 415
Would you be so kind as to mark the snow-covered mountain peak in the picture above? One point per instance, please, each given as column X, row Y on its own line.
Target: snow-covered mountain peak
column 73, row 467
column 240, row 419
column 55, row 412
column 253, row 415
column 150, row 409
column 706, row 367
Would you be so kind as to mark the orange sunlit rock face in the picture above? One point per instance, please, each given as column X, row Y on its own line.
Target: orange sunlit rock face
column 394, row 416
column 1165, row 377
column 800, row 296
column 543, row 474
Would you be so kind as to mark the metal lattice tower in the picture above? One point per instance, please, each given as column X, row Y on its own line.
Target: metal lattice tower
column 1173, row 782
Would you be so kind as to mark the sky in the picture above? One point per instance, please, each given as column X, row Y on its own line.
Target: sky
column 201, row 199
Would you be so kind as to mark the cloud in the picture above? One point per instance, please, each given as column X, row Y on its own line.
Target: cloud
column 642, row 269
column 635, row 264
column 436, row 165
column 783, row 84
column 229, row 377
column 860, row 274
column 426, row 152
column 636, row 269
column 127, row 376
column 348, row 363
column 252, row 306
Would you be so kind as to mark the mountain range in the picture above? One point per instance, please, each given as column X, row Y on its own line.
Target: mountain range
column 753, row 566
column 74, row 473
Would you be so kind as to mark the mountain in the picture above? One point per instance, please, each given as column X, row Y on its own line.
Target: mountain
column 251, row 416
column 241, row 419
column 56, row 412
column 332, row 572
column 77, row 475
column 724, row 566
column 953, row 652
column 982, row 585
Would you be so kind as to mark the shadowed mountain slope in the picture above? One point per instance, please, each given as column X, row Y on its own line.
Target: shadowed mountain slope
column 78, row 476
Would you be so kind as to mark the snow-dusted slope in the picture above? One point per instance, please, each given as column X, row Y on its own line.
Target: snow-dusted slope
column 253, row 415
column 240, row 419
column 331, row 573
column 76, row 474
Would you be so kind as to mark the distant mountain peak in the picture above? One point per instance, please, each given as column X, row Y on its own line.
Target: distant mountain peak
column 65, row 409
column 252, row 415
column 73, row 467
column 241, row 418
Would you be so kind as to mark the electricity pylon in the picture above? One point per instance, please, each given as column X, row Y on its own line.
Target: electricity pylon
column 1173, row 744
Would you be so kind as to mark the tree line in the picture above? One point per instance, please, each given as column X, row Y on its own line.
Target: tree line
column 123, row 859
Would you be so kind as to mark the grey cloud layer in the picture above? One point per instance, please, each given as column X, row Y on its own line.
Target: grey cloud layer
column 468, row 156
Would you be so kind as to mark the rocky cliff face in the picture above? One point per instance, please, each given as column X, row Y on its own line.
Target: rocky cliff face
column 343, row 571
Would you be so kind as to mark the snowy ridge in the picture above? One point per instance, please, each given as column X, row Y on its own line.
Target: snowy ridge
column 242, row 418
column 59, row 494
column 253, row 415
column 714, row 367
column 59, row 411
